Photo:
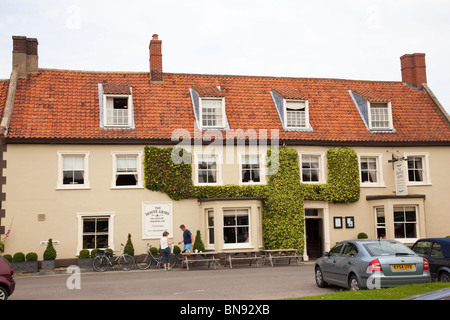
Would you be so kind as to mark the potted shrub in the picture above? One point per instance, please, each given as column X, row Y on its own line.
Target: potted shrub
column 177, row 253
column 198, row 243
column 129, row 249
column 31, row 259
column 49, row 257
column 84, row 259
column 25, row 263
column 362, row 235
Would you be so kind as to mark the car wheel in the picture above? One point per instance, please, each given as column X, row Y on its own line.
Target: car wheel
column 3, row 293
column 319, row 278
column 353, row 283
column 444, row 277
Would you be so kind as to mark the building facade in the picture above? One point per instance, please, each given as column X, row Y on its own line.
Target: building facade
column 77, row 168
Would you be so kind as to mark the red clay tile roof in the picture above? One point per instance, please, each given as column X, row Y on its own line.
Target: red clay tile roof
column 4, row 85
column 55, row 104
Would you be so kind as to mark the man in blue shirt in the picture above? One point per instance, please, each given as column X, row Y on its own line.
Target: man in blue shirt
column 188, row 239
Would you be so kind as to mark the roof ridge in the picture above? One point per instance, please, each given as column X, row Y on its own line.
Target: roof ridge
column 92, row 71
column 280, row 77
column 224, row 75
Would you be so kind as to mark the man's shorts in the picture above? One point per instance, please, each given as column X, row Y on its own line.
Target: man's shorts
column 188, row 247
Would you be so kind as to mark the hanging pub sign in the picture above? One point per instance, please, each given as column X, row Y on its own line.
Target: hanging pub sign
column 157, row 217
column 400, row 178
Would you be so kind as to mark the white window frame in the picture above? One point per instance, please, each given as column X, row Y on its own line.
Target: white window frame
column 389, row 110
column 426, row 168
column 306, row 111
column 379, row 164
column 404, row 223
column 218, row 157
column 83, row 215
column 129, row 110
column 60, row 185
column 321, row 156
column 210, row 243
column 223, row 122
column 239, row 245
column 140, row 179
column 262, row 167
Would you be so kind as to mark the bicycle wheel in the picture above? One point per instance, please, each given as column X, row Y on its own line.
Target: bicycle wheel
column 100, row 264
column 143, row 261
column 126, row 262
column 173, row 260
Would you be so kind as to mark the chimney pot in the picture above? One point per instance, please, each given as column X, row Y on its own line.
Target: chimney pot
column 414, row 69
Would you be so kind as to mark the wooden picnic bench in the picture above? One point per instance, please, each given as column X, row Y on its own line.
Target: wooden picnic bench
column 192, row 257
column 281, row 254
column 251, row 255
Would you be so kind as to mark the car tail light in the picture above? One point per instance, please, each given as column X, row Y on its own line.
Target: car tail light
column 375, row 265
column 426, row 265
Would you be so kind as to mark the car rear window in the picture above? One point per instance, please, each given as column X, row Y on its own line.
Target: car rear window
column 387, row 248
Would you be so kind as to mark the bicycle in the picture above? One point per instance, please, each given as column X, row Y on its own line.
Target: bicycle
column 146, row 259
column 102, row 261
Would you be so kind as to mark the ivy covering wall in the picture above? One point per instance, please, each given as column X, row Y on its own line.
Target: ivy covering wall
column 283, row 195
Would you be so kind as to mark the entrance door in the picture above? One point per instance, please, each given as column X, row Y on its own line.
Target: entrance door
column 314, row 238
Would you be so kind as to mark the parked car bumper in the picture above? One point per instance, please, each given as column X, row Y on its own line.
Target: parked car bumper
column 375, row 281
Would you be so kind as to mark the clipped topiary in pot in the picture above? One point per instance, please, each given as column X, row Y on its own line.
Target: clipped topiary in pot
column 198, row 243
column 129, row 249
column 49, row 257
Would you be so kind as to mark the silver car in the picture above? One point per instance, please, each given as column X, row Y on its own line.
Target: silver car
column 371, row 264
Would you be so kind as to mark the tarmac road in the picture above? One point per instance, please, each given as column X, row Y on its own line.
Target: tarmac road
column 200, row 283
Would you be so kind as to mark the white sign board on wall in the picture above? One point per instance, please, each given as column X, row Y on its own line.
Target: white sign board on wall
column 400, row 178
column 157, row 217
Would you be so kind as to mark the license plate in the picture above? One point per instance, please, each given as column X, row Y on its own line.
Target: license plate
column 399, row 267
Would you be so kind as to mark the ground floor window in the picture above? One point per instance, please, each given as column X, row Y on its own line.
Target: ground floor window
column 381, row 223
column 95, row 232
column 405, row 221
column 235, row 226
column 210, row 226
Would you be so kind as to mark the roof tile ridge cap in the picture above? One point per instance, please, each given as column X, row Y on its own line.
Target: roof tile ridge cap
column 279, row 77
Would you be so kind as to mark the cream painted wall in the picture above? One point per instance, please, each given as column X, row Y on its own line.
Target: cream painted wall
column 31, row 189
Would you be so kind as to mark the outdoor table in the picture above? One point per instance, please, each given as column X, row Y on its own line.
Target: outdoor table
column 242, row 255
column 280, row 254
column 192, row 257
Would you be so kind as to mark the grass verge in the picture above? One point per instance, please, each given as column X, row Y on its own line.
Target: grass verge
column 396, row 293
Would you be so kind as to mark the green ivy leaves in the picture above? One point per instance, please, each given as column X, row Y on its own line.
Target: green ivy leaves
column 283, row 196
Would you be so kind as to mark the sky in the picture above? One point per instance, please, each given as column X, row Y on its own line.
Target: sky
column 346, row 39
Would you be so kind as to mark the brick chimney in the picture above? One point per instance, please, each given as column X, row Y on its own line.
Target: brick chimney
column 413, row 69
column 156, row 72
column 25, row 55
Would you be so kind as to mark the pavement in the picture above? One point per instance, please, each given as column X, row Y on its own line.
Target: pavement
column 443, row 294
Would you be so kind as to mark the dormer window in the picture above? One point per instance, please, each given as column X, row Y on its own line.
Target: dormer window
column 116, row 106
column 212, row 112
column 296, row 114
column 209, row 107
column 293, row 109
column 375, row 110
column 380, row 115
column 117, row 111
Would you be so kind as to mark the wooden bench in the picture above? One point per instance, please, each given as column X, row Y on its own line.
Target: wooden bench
column 281, row 254
column 192, row 257
column 251, row 255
